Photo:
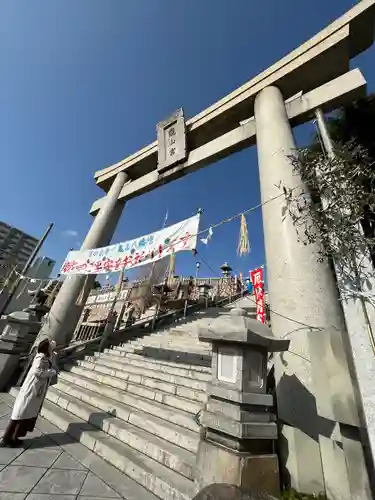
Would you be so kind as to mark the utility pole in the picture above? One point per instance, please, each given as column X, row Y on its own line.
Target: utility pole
column 26, row 267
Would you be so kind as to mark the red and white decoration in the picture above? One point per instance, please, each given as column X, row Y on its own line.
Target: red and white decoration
column 256, row 277
column 134, row 253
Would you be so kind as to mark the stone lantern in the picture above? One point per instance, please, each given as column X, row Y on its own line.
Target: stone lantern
column 237, row 445
column 203, row 290
column 14, row 342
column 226, row 269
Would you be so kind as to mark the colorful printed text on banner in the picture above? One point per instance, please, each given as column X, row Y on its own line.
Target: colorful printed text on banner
column 257, row 280
column 134, row 253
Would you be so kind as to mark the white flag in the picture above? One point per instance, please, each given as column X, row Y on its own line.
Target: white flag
column 208, row 237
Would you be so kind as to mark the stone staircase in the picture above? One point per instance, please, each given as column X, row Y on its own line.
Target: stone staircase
column 136, row 406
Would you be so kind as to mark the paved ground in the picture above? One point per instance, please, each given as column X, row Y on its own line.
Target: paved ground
column 51, row 466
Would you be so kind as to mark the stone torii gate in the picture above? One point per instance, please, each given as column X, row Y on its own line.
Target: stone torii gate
column 319, row 381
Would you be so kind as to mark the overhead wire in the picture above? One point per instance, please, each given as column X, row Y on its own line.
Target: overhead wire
column 230, row 219
column 271, row 309
column 278, row 314
column 233, row 217
column 212, row 226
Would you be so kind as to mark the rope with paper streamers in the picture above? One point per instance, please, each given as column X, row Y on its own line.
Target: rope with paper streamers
column 245, row 244
column 243, row 247
column 243, row 241
column 209, row 230
column 35, row 280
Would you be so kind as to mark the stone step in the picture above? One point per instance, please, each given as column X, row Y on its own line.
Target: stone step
column 184, row 344
column 162, row 392
column 171, row 352
column 177, row 427
column 164, row 452
column 183, row 356
column 129, row 378
column 187, row 371
column 155, row 477
column 191, row 333
column 117, row 364
column 176, row 334
column 170, row 364
column 133, row 488
column 181, row 330
column 167, row 338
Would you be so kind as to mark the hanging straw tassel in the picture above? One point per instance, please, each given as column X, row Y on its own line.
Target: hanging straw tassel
column 243, row 241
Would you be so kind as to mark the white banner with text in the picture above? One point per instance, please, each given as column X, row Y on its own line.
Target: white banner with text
column 134, row 253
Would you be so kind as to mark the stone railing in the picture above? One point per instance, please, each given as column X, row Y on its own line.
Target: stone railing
column 148, row 302
column 143, row 295
column 112, row 336
column 219, row 287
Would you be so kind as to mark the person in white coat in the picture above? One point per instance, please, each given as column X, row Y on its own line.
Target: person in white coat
column 30, row 399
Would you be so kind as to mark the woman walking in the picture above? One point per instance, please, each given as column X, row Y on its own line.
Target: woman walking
column 30, row 399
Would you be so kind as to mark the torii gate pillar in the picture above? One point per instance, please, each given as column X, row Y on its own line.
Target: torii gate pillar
column 64, row 313
column 314, row 419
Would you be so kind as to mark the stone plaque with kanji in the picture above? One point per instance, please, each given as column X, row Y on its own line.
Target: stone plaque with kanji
column 171, row 141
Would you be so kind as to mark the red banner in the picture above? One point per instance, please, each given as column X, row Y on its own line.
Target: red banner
column 257, row 280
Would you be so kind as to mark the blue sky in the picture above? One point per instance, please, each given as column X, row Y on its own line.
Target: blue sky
column 84, row 82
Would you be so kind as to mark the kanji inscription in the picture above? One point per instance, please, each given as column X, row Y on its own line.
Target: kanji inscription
column 171, row 141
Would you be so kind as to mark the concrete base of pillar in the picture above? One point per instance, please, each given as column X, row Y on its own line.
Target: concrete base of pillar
column 217, row 464
column 336, row 462
column 358, row 477
column 296, row 450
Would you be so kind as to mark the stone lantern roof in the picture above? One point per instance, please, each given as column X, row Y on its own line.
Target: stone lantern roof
column 237, row 327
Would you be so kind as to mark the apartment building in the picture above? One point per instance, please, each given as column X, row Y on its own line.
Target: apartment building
column 15, row 248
